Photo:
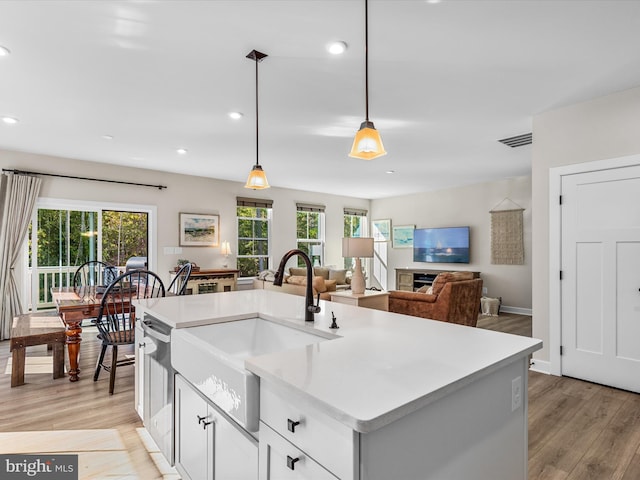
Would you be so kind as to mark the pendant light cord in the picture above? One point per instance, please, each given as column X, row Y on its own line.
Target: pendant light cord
column 366, row 59
column 257, row 144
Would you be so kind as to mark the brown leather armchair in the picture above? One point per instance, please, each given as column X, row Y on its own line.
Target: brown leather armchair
column 455, row 298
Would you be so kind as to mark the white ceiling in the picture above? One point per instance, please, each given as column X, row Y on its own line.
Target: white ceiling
column 446, row 82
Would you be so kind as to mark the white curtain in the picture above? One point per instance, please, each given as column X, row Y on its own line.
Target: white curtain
column 18, row 194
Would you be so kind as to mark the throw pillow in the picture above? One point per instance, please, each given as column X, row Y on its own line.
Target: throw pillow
column 340, row 276
column 321, row 272
column 317, row 283
column 425, row 289
column 267, row 275
column 298, row 272
column 330, row 285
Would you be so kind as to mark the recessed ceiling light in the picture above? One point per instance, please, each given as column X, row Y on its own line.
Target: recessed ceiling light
column 182, row 151
column 4, row 51
column 336, row 48
column 10, row 120
column 236, row 115
column 390, row 172
column 433, row 2
column 107, row 137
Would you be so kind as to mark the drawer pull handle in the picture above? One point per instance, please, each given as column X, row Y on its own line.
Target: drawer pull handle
column 203, row 421
column 291, row 462
column 204, row 424
column 291, row 425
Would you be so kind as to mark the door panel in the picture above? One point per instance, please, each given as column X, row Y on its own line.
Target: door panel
column 589, row 330
column 601, row 277
column 628, row 313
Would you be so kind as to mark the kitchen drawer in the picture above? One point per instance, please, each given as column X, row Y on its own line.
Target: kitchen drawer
column 326, row 440
column 280, row 460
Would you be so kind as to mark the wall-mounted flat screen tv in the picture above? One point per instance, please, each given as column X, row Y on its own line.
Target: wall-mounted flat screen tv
column 441, row 245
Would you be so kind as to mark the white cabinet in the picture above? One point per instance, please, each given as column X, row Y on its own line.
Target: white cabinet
column 297, row 441
column 475, row 431
column 281, row 460
column 209, row 445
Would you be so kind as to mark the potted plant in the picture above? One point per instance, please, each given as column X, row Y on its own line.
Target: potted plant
column 184, row 261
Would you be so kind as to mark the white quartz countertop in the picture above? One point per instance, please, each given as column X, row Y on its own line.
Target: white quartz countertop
column 381, row 367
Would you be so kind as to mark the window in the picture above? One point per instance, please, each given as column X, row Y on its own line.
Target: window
column 64, row 234
column 254, row 233
column 355, row 225
column 310, row 231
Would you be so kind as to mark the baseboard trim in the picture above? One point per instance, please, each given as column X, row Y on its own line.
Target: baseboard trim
column 518, row 310
column 540, row 366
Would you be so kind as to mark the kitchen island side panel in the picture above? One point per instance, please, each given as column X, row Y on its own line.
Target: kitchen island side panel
column 470, row 434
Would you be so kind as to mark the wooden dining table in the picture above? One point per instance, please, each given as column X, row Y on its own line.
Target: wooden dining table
column 75, row 304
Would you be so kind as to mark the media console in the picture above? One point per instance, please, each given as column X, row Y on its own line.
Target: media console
column 411, row 279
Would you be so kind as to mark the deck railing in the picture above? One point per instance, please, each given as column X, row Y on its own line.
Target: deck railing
column 48, row 278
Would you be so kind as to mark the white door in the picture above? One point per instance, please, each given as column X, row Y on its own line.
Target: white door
column 601, row 277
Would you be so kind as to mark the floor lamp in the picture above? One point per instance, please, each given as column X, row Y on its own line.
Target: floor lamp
column 357, row 248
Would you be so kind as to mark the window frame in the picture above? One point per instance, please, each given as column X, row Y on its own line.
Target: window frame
column 269, row 220
column 306, row 243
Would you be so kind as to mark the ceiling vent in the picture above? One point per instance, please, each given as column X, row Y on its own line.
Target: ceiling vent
column 518, row 141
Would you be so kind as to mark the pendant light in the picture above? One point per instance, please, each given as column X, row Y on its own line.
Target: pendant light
column 367, row 144
column 257, row 179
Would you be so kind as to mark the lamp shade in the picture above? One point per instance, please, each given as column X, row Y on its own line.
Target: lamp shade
column 316, row 250
column 225, row 248
column 356, row 247
column 257, row 179
column 367, row 143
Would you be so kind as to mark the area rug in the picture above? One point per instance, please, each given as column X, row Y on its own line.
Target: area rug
column 101, row 452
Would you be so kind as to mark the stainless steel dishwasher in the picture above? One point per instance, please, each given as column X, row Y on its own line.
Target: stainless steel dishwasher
column 157, row 383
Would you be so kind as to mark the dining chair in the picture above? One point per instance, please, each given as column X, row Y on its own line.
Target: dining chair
column 94, row 273
column 116, row 317
column 179, row 283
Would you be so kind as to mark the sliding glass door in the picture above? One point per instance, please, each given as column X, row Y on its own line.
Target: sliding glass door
column 61, row 239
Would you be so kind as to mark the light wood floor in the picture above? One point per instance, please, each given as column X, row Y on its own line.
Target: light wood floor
column 577, row 430
column 44, row 404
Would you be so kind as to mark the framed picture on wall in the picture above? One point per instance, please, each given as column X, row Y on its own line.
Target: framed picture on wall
column 199, row 230
column 403, row 236
column 381, row 230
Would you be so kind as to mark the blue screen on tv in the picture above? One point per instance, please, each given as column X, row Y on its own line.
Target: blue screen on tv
column 441, row 245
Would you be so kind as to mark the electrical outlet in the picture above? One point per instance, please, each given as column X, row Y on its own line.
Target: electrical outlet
column 516, row 393
column 484, row 290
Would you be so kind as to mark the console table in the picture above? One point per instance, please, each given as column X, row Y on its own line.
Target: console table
column 411, row 279
column 368, row 299
column 211, row 281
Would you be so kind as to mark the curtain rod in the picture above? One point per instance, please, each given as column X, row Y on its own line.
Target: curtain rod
column 25, row 172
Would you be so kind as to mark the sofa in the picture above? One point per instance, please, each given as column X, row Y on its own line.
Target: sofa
column 296, row 280
column 453, row 297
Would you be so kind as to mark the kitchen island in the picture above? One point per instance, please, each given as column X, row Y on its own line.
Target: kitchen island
column 384, row 396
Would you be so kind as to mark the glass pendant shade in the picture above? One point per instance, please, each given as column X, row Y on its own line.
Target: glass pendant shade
column 257, row 179
column 367, row 144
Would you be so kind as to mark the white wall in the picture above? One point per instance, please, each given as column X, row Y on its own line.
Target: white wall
column 186, row 194
column 469, row 205
column 603, row 128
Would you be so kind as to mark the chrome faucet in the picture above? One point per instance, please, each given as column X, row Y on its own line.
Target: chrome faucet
column 310, row 308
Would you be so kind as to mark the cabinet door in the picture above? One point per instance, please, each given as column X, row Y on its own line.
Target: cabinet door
column 281, row 460
column 235, row 451
column 193, row 439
